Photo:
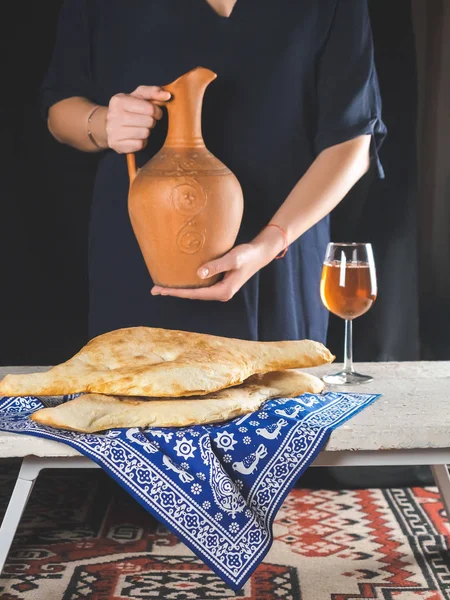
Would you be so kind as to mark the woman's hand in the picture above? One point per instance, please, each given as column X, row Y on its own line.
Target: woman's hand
column 131, row 117
column 239, row 265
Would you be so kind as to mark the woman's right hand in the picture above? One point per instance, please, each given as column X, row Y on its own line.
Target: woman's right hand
column 131, row 117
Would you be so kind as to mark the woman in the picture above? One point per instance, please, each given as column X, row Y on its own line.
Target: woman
column 295, row 113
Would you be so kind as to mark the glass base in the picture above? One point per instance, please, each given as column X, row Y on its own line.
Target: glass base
column 347, row 378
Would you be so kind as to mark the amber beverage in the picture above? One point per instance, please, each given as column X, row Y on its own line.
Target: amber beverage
column 348, row 290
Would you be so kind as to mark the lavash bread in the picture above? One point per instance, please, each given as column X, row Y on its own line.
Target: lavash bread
column 161, row 363
column 91, row 413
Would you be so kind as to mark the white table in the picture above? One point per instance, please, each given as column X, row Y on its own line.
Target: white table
column 408, row 425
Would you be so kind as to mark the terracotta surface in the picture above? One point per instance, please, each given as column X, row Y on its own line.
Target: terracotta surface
column 185, row 205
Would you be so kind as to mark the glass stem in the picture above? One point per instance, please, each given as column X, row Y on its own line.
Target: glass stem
column 348, row 356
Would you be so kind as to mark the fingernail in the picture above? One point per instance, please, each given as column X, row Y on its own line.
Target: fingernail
column 204, row 273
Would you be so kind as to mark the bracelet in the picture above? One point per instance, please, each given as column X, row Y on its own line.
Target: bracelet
column 89, row 132
column 286, row 241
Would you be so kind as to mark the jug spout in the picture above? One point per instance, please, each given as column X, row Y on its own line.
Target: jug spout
column 185, row 108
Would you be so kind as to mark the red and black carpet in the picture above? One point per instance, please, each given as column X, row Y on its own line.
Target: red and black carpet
column 82, row 537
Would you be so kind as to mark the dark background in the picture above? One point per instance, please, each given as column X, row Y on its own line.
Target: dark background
column 45, row 201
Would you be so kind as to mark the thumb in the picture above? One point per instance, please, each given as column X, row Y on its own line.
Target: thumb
column 151, row 92
column 228, row 262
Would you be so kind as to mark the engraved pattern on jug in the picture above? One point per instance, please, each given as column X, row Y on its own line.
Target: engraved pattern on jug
column 189, row 199
column 174, row 165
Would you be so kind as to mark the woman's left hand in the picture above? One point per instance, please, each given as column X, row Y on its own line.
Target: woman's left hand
column 239, row 265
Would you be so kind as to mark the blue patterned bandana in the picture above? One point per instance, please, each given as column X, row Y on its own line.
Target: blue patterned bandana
column 217, row 487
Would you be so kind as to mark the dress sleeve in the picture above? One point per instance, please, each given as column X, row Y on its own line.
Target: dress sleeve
column 348, row 94
column 69, row 72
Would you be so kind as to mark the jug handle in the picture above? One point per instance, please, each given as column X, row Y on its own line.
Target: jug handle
column 131, row 164
column 131, row 158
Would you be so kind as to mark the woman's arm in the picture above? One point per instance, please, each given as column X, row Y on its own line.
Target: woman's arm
column 68, row 123
column 124, row 125
column 331, row 176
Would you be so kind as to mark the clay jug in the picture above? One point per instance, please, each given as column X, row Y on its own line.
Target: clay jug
column 185, row 205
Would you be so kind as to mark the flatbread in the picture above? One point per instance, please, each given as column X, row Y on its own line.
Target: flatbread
column 94, row 412
column 142, row 361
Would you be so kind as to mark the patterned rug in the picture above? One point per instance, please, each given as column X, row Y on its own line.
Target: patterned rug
column 82, row 537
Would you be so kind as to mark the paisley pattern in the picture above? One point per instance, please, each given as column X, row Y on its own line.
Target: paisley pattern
column 217, row 487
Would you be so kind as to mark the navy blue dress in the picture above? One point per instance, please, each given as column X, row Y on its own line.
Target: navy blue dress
column 294, row 77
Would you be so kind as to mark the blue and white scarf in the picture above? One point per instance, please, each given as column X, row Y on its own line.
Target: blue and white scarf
column 217, row 487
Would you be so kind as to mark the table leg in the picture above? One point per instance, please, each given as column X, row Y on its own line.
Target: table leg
column 28, row 473
column 442, row 479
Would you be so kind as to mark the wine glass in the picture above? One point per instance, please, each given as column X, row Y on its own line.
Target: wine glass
column 348, row 289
